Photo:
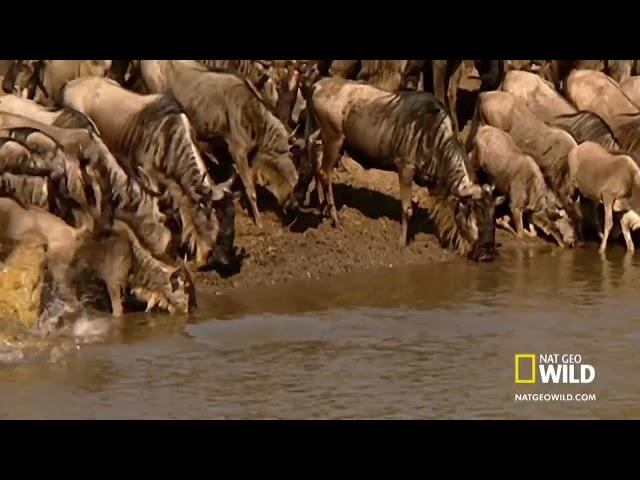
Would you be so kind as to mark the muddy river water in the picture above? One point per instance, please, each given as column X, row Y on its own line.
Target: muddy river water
column 432, row 341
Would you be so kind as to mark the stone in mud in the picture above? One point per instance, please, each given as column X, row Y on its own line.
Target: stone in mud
column 21, row 281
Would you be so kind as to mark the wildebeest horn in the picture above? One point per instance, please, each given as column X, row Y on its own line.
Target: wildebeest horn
column 220, row 189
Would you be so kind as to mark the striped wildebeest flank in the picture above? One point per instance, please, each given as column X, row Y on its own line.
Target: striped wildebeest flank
column 410, row 132
column 549, row 146
column 43, row 80
column 64, row 117
column 599, row 93
column 553, row 109
column 152, row 134
column 87, row 158
column 224, row 107
column 36, row 173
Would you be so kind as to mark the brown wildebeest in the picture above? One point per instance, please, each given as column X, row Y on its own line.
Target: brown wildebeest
column 550, row 107
column 549, row 146
column 154, row 136
column 224, row 107
column 595, row 91
column 614, row 180
column 410, row 132
column 43, row 80
column 518, row 176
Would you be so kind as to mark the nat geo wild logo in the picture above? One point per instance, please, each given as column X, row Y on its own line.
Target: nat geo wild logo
column 552, row 368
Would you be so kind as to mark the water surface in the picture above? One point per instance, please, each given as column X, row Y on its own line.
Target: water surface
column 432, row 341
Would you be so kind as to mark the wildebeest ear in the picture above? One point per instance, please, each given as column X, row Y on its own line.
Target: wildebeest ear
column 488, row 188
column 500, row 200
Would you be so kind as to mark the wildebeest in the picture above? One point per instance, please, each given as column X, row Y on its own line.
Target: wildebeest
column 549, row 106
column 158, row 281
column 152, row 134
column 614, row 180
column 222, row 106
column 130, row 202
column 518, row 176
column 595, row 91
column 410, row 132
column 548, row 146
column 43, row 80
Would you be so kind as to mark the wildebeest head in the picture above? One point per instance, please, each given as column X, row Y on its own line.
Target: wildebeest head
column 475, row 219
column 23, row 77
column 224, row 208
column 275, row 170
column 553, row 220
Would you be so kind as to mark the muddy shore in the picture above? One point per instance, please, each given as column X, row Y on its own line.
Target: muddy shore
column 309, row 247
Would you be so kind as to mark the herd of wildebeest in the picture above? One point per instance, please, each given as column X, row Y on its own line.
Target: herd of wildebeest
column 128, row 169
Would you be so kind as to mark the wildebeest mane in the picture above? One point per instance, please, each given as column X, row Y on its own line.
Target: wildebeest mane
column 587, row 126
column 421, row 125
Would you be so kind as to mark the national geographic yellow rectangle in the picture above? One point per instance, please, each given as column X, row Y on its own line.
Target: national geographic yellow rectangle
column 532, row 357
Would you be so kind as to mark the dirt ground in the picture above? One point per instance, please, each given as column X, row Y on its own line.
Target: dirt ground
column 308, row 246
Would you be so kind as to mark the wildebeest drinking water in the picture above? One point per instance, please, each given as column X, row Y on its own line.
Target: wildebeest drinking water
column 517, row 175
column 410, row 132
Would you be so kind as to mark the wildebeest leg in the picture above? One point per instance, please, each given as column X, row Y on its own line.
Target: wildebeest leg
column 607, row 200
column 626, row 233
column 115, row 296
column 439, row 79
column 517, row 218
column 504, row 223
column 331, row 150
column 452, row 95
column 239, row 155
column 405, row 176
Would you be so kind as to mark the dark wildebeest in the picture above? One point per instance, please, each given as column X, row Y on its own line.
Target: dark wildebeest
column 518, row 176
column 443, row 77
column 410, row 132
column 549, row 146
column 613, row 180
column 224, row 106
column 550, row 107
column 43, row 80
column 595, row 91
column 154, row 137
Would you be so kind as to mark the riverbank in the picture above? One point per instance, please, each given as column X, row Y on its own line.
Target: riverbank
column 309, row 247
